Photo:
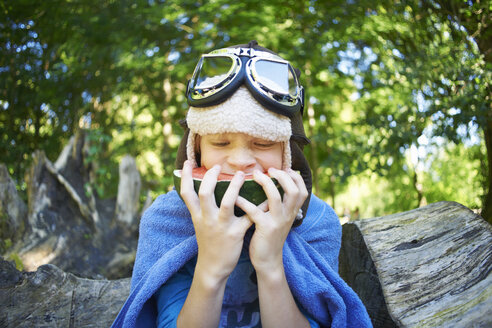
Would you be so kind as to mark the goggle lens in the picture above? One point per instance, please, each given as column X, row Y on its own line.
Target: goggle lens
column 273, row 75
column 212, row 71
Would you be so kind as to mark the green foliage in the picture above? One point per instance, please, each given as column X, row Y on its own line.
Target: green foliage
column 379, row 76
column 104, row 169
column 5, row 244
column 445, row 182
column 447, row 173
column 17, row 260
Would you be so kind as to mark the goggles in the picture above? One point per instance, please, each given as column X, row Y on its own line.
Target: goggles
column 270, row 79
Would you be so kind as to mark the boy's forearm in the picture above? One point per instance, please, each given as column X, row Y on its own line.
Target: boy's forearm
column 277, row 305
column 203, row 304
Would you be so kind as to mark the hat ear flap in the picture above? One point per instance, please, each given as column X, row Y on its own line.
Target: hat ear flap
column 300, row 163
column 181, row 155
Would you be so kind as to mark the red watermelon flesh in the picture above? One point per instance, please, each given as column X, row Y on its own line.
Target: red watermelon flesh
column 199, row 173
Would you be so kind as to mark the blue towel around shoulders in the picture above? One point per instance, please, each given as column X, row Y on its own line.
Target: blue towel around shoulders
column 167, row 241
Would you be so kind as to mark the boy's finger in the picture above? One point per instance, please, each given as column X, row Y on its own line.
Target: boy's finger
column 288, row 184
column 292, row 194
column 207, row 188
column 252, row 211
column 244, row 223
column 271, row 191
column 264, row 206
column 231, row 194
column 187, row 191
column 299, row 181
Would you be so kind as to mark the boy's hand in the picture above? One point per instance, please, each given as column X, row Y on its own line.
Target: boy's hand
column 274, row 218
column 219, row 233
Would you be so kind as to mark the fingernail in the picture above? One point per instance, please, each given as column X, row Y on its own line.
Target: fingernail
column 239, row 173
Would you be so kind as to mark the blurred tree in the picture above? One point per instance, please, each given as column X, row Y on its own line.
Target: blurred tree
column 378, row 76
column 429, row 72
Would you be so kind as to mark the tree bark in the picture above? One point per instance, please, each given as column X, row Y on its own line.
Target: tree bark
column 127, row 201
column 50, row 297
column 432, row 266
column 487, row 204
column 13, row 210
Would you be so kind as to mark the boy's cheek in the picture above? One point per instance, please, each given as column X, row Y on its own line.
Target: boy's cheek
column 211, row 158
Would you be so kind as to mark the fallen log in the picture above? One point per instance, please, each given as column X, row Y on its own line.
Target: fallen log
column 50, row 297
column 432, row 266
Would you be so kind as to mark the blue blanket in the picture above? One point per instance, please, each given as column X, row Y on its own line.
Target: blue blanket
column 167, row 242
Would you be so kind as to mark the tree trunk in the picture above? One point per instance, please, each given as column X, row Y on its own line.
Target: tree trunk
column 487, row 204
column 431, row 266
column 417, row 186
column 13, row 211
column 127, row 201
column 73, row 229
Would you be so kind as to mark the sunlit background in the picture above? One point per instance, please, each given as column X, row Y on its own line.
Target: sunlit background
column 398, row 92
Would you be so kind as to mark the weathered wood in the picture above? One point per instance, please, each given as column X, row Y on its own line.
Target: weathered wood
column 67, row 225
column 13, row 210
column 50, row 297
column 357, row 269
column 88, row 212
column 127, row 201
column 433, row 265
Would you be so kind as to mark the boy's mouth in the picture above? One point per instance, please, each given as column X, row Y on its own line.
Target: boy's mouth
column 227, row 174
column 248, row 175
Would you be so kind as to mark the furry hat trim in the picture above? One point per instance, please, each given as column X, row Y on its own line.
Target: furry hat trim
column 241, row 113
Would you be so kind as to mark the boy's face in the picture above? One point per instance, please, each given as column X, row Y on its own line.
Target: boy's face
column 240, row 152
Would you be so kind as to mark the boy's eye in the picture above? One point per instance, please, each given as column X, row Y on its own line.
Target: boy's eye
column 220, row 143
column 264, row 144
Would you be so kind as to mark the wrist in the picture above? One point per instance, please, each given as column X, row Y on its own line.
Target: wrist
column 273, row 272
column 208, row 277
column 272, row 264
column 271, row 281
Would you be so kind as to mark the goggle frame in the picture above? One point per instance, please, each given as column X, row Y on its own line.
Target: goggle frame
column 282, row 103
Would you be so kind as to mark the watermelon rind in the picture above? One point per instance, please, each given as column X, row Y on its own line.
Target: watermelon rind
column 250, row 190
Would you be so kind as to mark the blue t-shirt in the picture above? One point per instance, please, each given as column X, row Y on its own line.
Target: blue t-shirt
column 172, row 295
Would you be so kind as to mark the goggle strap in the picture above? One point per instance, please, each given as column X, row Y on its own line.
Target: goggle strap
column 244, row 52
column 302, row 100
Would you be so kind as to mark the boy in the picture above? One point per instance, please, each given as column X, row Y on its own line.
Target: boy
column 198, row 263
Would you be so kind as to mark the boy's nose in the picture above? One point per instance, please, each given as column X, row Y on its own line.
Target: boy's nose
column 242, row 160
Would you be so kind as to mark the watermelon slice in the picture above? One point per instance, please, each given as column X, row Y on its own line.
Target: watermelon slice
column 250, row 190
